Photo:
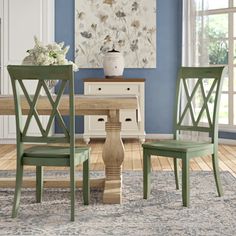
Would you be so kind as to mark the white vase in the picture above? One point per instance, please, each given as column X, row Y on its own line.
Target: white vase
column 113, row 64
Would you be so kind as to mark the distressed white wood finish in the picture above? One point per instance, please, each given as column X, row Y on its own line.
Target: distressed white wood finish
column 94, row 126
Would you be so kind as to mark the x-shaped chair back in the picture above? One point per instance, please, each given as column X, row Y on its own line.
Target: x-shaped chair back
column 40, row 75
column 197, row 100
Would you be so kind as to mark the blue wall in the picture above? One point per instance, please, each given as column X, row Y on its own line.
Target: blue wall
column 160, row 82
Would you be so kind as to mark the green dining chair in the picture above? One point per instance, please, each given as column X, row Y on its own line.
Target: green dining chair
column 46, row 149
column 198, row 94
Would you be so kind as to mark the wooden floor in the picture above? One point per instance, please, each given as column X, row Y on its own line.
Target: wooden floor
column 133, row 158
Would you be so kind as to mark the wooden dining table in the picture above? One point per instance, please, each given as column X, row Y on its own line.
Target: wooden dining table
column 113, row 149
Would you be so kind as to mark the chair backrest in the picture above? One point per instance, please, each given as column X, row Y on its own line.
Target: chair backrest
column 21, row 75
column 197, row 100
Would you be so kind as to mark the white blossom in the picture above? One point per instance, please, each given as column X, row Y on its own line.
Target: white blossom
column 51, row 54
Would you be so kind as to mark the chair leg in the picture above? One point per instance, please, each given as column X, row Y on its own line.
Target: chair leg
column 185, row 181
column 39, row 183
column 146, row 174
column 86, row 182
column 217, row 174
column 176, row 170
column 19, row 178
column 72, row 192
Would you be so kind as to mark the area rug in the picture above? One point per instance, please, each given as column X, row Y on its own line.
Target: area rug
column 162, row 214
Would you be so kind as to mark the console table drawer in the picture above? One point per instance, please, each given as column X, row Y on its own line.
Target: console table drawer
column 127, row 118
column 97, row 123
column 116, row 89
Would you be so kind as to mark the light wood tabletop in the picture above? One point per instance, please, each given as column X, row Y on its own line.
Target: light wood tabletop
column 84, row 104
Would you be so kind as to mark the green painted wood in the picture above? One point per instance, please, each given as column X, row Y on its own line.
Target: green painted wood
column 39, row 183
column 86, row 183
column 194, row 77
column 55, row 159
column 185, row 180
column 56, row 155
column 30, row 139
column 215, row 164
column 179, row 145
column 55, row 112
column 17, row 195
column 146, row 173
column 176, row 171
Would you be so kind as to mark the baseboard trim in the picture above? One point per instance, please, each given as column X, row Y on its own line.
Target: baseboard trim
column 7, row 141
column 227, row 141
column 79, row 136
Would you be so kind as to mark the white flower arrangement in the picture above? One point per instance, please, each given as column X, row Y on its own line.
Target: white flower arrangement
column 51, row 54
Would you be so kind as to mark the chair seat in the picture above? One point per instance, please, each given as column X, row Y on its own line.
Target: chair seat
column 52, row 151
column 53, row 155
column 179, row 145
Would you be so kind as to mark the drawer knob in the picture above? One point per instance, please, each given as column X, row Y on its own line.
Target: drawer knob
column 100, row 119
column 99, row 89
column 128, row 89
column 128, row 119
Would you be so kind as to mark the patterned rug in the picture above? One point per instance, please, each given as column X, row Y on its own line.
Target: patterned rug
column 162, row 214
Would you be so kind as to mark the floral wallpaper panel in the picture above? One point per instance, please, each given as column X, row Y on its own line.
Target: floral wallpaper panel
column 129, row 26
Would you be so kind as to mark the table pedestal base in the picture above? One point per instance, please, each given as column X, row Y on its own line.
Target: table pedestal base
column 113, row 185
column 113, row 156
column 112, row 192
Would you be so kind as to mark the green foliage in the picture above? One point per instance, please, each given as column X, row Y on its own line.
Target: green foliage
column 218, row 48
column 215, row 45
